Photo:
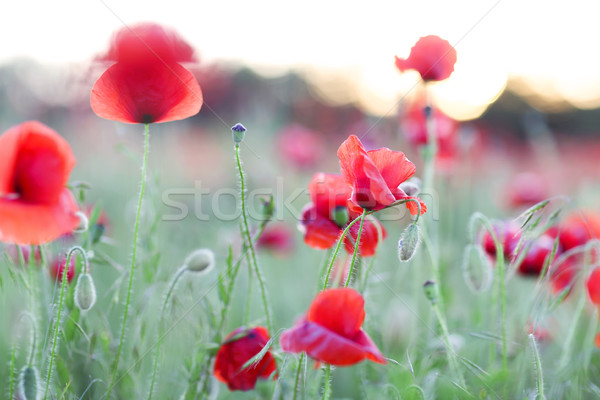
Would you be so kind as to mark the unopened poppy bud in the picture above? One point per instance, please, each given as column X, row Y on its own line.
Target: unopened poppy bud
column 200, row 260
column 85, row 292
column 430, row 291
column 83, row 222
column 29, row 383
column 267, row 208
column 340, row 215
column 409, row 242
column 239, row 132
column 411, row 187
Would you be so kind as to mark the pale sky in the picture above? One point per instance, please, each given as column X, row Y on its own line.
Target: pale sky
column 553, row 45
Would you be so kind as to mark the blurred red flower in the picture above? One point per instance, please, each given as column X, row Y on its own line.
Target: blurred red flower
column 300, row 146
column 12, row 251
column 146, row 42
column 321, row 222
column 147, row 84
column 593, row 286
column 240, row 346
column 432, row 56
column 577, row 229
column 57, row 267
column 375, row 176
column 276, row 238
column 413, row 125
column 526, row 189
column 35, row 205
column 330, row 332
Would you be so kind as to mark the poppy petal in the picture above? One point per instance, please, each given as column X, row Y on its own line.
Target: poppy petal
column 328, row 191
column 370, row 190
column 233, row 354
column 369, row 237
column 339, row 310
column 326, row 346
column 31, row 223
column 394, row 167
column 147, row 92
column 319, row 231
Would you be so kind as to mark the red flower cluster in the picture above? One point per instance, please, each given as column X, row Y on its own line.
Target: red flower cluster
column 147, row 83
column 432, row 56
column 330, row 332
column 574, row 231
column 239, row 347
column 321, row 221
column 35, row 205
column 370, row 180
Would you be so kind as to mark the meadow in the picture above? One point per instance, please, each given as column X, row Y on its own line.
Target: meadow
column 183, row 233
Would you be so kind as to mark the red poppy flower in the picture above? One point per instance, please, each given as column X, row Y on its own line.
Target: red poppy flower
column 35, row 205
column 577, row 229
column 527, row 189
column 57, row 268
column 146, row 42
column 413, row 124
column 300, row 146
column 239, row 347
column 147, row 84
column 12, row 251
column 593, row 286
column 322, row 228
column 375, row 176
column 277, row 238
column 331, row 330
column 432, row 57
column 538, row 251
column 563, row 276
column 508, row 233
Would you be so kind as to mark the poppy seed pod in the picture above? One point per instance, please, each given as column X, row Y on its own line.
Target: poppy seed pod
column 239, row 132
column 201, row 260
column 28, row 386
column 409, row 242
column 85, row 292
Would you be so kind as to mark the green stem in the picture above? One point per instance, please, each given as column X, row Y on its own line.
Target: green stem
column 11, row 382
column 132, row 269
column 64, row 279
column 300, row 362
column 248, row 239
column 538, row 367
column 356, row 246
column 327, row 389
column 174, row 281
column 335, row 252
column 452, row 360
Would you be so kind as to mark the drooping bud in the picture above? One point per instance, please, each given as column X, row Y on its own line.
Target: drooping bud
column 430, row 291
column 83, row 222
column 340, row 216
column 85, row 292
column 267, row 208
column 411, row 187
column 28, row 385
column 409, row 242
column 239, row 132
column 201, row 260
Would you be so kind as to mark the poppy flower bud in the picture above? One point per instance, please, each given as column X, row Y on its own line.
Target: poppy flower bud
column 239, row 132
column 409, row 242
column 28, row 386
column 85, row 292
column 411, row 187
column 430, row 291
column 340, row 215
column 201, row 260
column 267, row 208
column 83, row 222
